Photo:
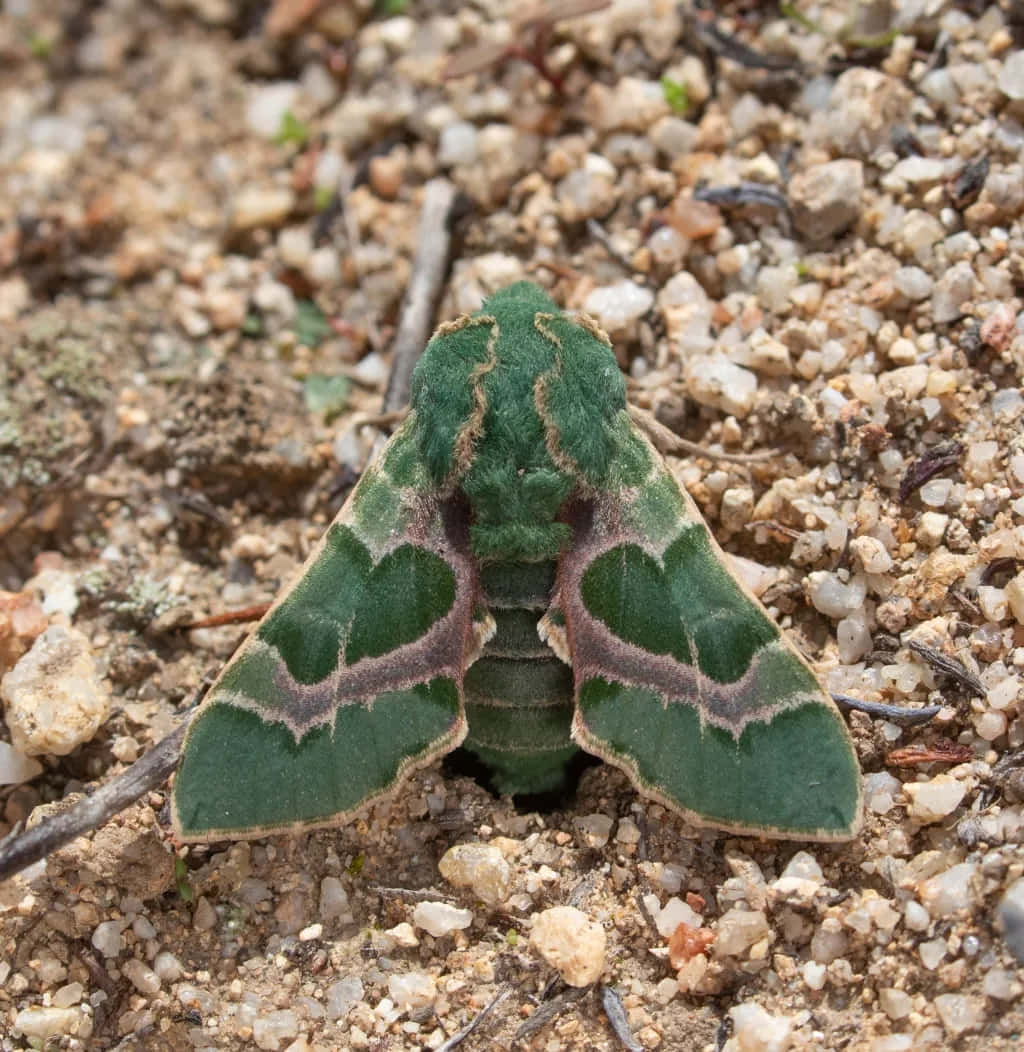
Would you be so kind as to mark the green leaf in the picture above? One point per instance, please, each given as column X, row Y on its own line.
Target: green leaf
column 326, row 394
column 677, row 95
column 292, row 131
column 355, row 867
column 181, row 881
column 311, row 325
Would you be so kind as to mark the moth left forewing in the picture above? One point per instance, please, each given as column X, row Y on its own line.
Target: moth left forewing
column 351, row 681
column 684, row 681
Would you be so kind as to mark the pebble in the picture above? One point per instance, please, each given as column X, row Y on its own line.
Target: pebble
column 22, row 619
column 755, row 1030
column 167, row 967
column 829, row 941
column 618, row 308
column 439, row 919
column 825, row 198
column 1011, row 76
column 412, row 991
column 68, row 995
column 674, row 913
column 58, row 590
column 814, row 975
column 688, row 312
column 142, row 977
column 343, row 996
column 714, row 381
column 333, row 900
column 204, row 917
column 261, row 206
column 895, row 1003
column 832, row 596
column 1010, row 914
column 595, row 829
column 589, row 192
column 44, row 1023
column 738, row 930
column 864, row 107
column 949, row 892
column 571, row 943
column 916, row 917
column 933, row 800
column 268, row 1031
column 267, row 104
column 931, row 953
column 480, row 867
column 15, row 767
column 107, row 937
column 54, row 699
column 952, row 290
column 457, row 144
column 959, row 1013
column 880, row 792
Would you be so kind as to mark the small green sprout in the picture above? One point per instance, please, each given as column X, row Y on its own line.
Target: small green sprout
column 676, row 94
column 292, row 132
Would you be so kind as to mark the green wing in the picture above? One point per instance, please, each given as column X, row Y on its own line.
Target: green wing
column 683, row 680
column 353, row 678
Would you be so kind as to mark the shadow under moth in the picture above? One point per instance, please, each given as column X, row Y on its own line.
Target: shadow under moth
column 520, row 574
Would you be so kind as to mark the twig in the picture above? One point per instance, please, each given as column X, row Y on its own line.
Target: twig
column 668, row 441
column 933, row 462
column 416, row 894
column 896, row 713
column 742, row 194
column 228, row 617
column 616, row 1012
column 457, row 1038
column 948, row 666
column 547, row 1011
column 723, row 44
column 20, row 850
column 429, row 269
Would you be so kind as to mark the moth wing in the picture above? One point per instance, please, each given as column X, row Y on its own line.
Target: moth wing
column 353, row 678
column 684, row 681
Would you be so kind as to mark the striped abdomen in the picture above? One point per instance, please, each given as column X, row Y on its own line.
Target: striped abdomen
column 519, row 695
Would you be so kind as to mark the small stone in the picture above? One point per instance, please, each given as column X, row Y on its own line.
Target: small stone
column 872, row 554
column 712, row 380
column 829, row 941
column 949, row 892
column 15, row 767
column 261, row 206
column 915, row 916
column 343, row 996
column 895, row 1003
column 863, row 108
column 814, row 975
column 931, row 953
column 768, row 356
column 1011, row 76
column 54, row 699
column 755, row 1030
column 826, row 197
column 934, row 800
column 628, row 832
column 270, row 1030
column 167, row 967
column 333, row 900
column 687, row 310
column 44, row 1023
column 589, row 192
column 880, row 792
column 959, row 1014
column 674, row 913
column 998, row 984
column 412, row 991
column 107, row 937
column 439, row 919
column 571, row 943
column 22, row 620
column 204, row 916
column 953, row 289
column 831, row 596
column 457, row 144
column 404, row 935
column 595, row 829
column 1010, row 915
column 68, row 995
column 738, row 930
column 618, row 308
column 480, row 867
column 142, row 977
column 267, row 105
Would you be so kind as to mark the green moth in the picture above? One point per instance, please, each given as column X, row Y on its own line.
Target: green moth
column 518, row 573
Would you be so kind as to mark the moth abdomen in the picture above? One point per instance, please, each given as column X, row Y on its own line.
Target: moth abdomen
column 518, row 694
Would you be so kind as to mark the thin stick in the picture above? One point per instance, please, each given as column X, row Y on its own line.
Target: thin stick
column 22, row 849
column 461, row 1035
column 547, row 1011
column 896, row 713
column 429, row 269
column 668, row 441
column 616, row 1012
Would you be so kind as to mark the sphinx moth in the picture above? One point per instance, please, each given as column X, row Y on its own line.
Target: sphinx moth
column 518, row 573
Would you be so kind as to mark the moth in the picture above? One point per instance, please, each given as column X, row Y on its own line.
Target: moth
column 518, row 573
